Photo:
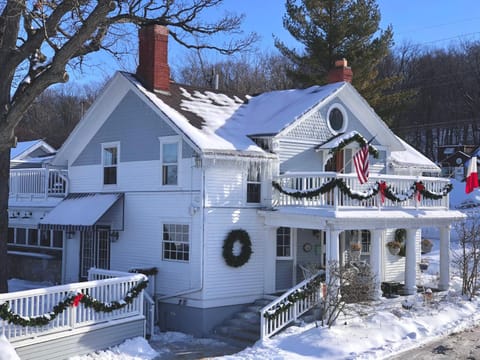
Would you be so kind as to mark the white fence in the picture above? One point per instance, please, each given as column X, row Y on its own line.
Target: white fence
column 31, row 305
column 292, row 304
column 334, row 190
column 38, row 182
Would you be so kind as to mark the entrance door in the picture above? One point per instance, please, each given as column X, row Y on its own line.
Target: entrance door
column 285, row 266
column 95, row 251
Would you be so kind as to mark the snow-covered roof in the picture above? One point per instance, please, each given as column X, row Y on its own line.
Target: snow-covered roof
column 221, row 123
column 23, row 148
column 412, row 158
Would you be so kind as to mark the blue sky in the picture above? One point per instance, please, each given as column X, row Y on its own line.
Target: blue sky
column 430, row 23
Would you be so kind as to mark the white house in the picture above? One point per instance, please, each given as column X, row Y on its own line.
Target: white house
column 230, row 197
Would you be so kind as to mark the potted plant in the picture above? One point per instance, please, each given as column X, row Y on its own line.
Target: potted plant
column 355, row 250
column 426, row 246
column 394, row 247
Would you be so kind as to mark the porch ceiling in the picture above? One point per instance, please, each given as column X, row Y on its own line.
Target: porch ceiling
column 321, row 218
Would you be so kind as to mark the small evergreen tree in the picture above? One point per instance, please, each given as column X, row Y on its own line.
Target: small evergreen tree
column 334, row 29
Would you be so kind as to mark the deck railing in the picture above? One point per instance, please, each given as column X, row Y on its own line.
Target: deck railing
column 335, row 190
column 290, row 306
column 35, row 303
column 38, row 182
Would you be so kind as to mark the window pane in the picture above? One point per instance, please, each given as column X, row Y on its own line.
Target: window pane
column 109, row 175
column 176, row 242
column 33, row 237
column 169, row 153
column 21, row 236
column 11, row 235
column 253, row 193
column 58, row 238
column 283, row 242
column 169, row 176
column 45, row 238
column 110, row 156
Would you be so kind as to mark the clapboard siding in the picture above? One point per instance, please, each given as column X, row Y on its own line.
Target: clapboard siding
column 221, row 280
column 80, row 341
column 224, row 186
column 140, row 244
column 133, row 176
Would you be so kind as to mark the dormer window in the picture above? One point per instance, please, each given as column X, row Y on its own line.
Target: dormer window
column 110, row 163
column 337, row 118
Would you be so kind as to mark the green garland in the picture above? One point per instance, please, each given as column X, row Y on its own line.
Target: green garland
column 237, row 260
column 360, row 140
column 71, row 300
column 365, row 195
column 300, row 294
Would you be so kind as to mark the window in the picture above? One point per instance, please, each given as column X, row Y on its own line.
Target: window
column 337, row 118
column 253, row 184
column 170, row 163
column 366, row 241
column 95, row 251
column 283, row 242
column 34, row 238
column 110, row 164
column 176, row 242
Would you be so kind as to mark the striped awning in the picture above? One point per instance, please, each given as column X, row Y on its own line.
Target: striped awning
column 80, row 212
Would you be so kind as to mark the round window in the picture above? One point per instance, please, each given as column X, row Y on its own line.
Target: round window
column 337, row 119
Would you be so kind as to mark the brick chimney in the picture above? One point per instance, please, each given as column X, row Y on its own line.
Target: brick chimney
column 341, row 72
column 153, row 70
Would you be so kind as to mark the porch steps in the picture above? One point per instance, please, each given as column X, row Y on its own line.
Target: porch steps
column 243, row 328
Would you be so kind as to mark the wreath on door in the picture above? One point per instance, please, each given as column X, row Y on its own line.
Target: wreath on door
column 237, row 260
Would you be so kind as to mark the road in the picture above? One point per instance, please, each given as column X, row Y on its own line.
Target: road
column 458, row 346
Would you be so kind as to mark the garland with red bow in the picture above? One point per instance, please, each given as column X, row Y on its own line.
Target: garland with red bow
column 386, row 191
column 71, row 300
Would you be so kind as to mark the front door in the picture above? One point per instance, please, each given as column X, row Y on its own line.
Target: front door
column 95, row 251
column 285, row 264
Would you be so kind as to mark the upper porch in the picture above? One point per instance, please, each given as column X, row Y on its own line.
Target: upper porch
column 337, row 191
column 38, row 183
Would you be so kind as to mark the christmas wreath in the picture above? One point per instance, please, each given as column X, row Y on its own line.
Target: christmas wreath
column 237, row 260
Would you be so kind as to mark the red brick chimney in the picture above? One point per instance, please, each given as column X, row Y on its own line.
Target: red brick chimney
column 341, row 72
column 153, row 70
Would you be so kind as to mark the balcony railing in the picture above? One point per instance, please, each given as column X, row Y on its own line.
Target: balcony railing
column 38, row 183
column 334, row 190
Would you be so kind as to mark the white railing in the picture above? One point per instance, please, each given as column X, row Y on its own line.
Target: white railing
column 38, row 182
column 35, row 303
column 298, row 184
column 149, row 302
column 292, row 304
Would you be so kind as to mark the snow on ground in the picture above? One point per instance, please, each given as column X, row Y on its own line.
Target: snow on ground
column 383, row 329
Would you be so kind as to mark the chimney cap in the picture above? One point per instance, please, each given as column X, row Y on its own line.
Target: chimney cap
column 341, row 63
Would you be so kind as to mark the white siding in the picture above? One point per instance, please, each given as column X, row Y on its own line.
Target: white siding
column 395, row 265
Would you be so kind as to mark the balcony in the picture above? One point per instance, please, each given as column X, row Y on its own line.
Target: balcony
column 38, row 183
column 344, row 191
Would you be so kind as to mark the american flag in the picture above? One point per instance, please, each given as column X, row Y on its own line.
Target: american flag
column 361, row 164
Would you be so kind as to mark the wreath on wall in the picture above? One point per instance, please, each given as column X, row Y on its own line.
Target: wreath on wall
column 237, row 260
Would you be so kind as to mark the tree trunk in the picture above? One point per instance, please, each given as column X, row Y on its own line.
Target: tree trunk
column 4, row 190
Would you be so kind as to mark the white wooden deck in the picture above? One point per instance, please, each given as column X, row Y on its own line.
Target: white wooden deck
column 77, row 329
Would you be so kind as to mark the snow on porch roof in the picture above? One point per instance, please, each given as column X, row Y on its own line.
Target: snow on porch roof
column 79, row 211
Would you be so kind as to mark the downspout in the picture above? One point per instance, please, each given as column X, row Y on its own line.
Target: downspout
column 202, row 243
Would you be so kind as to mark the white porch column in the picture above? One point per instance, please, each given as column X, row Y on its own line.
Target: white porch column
column 444, row 258
column 411, row 262
column 376, row 260
column 332, row 250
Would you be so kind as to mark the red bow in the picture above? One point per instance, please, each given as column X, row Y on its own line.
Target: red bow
column 77, row 299
column 419, row 187
column 382, row 186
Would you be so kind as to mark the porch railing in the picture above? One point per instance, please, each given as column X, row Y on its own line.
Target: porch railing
column 36, row 303
column 38, row 182
column 292, row 304
column 345, row 191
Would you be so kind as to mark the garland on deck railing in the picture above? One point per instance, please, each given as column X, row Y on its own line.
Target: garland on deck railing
column 360, row 140
column 299, row 294
column 381, row 187
column 70, row 300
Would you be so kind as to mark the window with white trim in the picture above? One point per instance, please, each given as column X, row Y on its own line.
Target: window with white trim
column 254, row 184
column 110, row 157
column 30, row 237
column 170, row 151
column 176, row 242
column 284, row 243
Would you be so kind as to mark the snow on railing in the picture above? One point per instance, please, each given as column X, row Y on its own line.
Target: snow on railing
column 336, row 190
column 38, row 182
column 292, row 304
column 30, row 305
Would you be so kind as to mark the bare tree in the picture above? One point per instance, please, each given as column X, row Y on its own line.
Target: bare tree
column 467, row 258
column 39, row 39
